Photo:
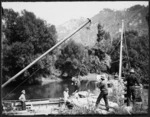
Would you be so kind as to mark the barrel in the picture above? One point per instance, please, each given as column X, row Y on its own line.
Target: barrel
column 138, row 93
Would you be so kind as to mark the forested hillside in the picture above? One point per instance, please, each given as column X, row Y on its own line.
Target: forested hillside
column 134, row 18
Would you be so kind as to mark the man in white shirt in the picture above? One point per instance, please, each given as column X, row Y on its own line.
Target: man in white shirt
column 66, row 95
column 22, row 98
column 66, row 98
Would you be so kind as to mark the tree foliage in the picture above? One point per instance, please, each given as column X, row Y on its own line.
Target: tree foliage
column 25, row 38
column 69, row 60
column 102, row 48
column 75, row 59
column 136, row 55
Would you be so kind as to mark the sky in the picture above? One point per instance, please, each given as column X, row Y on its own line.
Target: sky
column 59, row 12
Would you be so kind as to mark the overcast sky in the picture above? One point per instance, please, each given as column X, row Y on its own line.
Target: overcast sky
column 58, row 12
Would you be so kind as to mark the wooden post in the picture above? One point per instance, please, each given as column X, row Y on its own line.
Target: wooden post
column 120, row 65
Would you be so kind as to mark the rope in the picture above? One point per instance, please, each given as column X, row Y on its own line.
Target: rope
column 22, row 82
column 117, row 61
column 115, row 48
column 127, row 52
column 125, row 41
column 88, row 27
column 41, row 56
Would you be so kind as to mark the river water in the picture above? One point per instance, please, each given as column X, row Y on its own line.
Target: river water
column 51, row 90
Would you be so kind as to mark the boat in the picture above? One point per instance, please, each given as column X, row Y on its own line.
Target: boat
column 51, row 106
column 33, row 107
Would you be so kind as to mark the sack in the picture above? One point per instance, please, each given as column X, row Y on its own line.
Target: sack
column 69, row 105
column 137, row 93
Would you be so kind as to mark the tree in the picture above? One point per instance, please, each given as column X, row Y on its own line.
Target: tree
column 102, row 47
column 75, row 59
column 26, row 38
column 69, row 60
column 137, row 55
column 101, row 32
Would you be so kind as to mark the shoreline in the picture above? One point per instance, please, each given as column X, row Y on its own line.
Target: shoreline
column 88, row 77
column 45, row 81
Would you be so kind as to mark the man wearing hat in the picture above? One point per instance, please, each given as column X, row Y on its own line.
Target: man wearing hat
column 76, row 82
column 66, row 94
column 131, row 82
column 22, row 98
column 102, row 85
column 66, row 98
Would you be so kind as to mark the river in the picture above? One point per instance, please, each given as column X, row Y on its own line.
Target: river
column 51, row 90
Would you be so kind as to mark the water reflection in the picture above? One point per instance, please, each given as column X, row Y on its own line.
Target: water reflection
column 51, row 90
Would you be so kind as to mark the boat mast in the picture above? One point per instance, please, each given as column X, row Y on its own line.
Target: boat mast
column 120, row 65
column 60, row 42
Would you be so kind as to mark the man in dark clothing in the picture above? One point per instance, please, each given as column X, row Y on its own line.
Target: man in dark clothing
column 132, row 81
column 76, row 83
column 104, row 92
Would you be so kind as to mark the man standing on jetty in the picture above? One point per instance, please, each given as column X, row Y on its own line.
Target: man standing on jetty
column 22, row 98
column 102, row 85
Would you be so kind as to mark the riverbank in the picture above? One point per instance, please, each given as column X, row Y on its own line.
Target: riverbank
column 53, row 78
column 92, row 77
column 49, row 79
column 89, row 77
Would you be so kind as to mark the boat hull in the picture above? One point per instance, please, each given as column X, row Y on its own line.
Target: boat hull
column 81, row 99
column 33, row 107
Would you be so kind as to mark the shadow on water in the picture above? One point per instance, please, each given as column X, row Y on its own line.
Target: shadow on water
column 51, row 90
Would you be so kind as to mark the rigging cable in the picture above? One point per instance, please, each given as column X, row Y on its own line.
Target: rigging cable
column 22, row 82
column 126, row 48
column 115, row 48
column 128, row 22
column 39, row 68
column 125, row 40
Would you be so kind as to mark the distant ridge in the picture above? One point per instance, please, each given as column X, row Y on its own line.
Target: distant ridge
column 135, row 19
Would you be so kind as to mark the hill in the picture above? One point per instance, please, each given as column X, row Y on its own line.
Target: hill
column 134, row 18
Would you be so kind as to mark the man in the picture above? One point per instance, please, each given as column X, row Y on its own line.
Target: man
column 132, row 81
column 22, row 98
column 66, row 94
column 102, row 85
column 116, row 76
column 76, row 83
column 66, row 98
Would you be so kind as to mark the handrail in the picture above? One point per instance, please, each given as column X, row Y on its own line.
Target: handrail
column 34, row 100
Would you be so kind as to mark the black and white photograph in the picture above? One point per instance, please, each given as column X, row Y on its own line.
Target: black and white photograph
column 74, row 58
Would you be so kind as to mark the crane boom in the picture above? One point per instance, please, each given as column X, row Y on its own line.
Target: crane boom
column 59, row 43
